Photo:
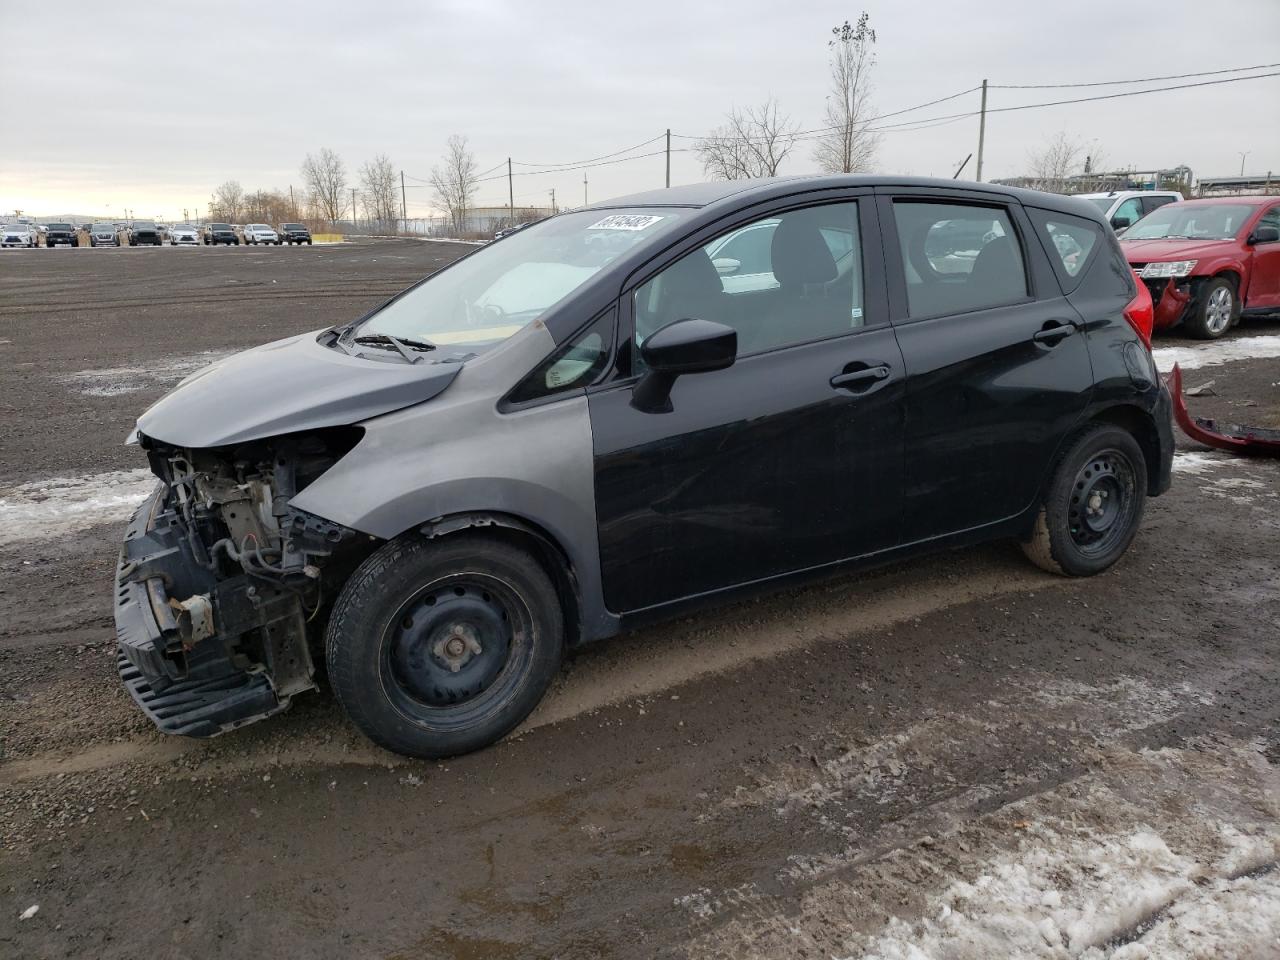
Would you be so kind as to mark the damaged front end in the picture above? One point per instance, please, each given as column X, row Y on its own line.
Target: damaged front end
column 221, row 580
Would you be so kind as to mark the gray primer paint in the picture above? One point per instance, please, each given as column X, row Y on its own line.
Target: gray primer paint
column 284, row 387
column 459, row 454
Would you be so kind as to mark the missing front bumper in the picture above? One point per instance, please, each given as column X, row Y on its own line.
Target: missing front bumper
column 199, row 653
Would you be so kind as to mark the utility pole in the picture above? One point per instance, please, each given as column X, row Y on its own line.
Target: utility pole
column 353, row 208
column 511, row 195
column 553, row 200
column 292, row 203
column 668, row 156
column 584, row 189
column 982, row 130
column 404, row 206
column 1243, row 154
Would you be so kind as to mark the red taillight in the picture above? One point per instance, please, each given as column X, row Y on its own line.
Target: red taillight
column 1141, row 312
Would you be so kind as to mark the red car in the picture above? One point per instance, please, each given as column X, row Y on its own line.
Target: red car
column 1206, row 262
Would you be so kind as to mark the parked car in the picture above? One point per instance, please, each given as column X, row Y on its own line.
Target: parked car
column 143, row 233
column 582, row 429
column 183, row 234
column 1209, row 262
column 1123, row 208
column 295, row 233
column 17, row 235
column 61, row 234
column 104, row 235
column 256, row 233
column 216, row 233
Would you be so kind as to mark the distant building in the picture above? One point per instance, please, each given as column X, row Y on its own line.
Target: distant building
column 1238, row 186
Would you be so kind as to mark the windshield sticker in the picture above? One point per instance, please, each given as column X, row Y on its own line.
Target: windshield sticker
column 625, row 221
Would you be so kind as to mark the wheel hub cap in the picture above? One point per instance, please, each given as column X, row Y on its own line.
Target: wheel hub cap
column 1101, row 501
column 450, row 645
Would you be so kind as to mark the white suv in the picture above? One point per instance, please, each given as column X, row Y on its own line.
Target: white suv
column 1124, row 208
column 260, row 233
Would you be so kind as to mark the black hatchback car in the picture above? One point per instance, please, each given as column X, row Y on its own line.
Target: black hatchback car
column 624, row 412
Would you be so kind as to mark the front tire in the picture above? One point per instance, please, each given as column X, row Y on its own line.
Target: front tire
column 1216, row 310
column 438, row 648
column 1094, row 504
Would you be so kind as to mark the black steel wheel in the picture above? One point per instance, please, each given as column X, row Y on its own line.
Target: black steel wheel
column 1094, row 504
column 440, row 648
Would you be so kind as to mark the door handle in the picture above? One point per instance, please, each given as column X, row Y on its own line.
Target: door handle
column 1052, row 332
column 844, row 381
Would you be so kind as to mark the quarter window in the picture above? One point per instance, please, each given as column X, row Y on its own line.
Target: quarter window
column 778, row 281
column 958, row 257
column 1071, row 242
column 575, row 365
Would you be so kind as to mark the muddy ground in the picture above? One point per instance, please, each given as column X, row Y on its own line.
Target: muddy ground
column 961, row 756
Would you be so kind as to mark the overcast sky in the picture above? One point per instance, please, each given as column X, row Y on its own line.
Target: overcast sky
column 152, row 105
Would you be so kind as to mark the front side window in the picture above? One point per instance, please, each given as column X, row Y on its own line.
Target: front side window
column 958, row 257
column 487, row 297
column 782, row 280
column 1270, row 219
column 1130, row 210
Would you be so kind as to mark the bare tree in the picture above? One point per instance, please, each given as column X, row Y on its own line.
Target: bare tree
column 380, row 188
column 752, row 143
column 850, row 145
column 455, row 181
column 228, row 201
column 325, row 176
column 1052, row 165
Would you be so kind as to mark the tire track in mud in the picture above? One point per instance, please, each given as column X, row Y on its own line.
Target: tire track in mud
column 645, row 664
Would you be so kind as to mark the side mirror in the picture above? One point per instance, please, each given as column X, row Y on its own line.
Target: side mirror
column 726, row 265
column 1265, row 235
column 685, row 346
column 1121, row 223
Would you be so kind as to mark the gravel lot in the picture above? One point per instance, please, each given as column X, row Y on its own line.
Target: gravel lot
column 961, row 756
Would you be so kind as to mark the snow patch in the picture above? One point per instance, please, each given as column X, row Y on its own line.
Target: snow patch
column 117, row 381
column 45, row 509
column 1217, row 352
column 1195, row 461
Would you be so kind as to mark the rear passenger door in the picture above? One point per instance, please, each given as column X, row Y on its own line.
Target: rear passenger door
column 997, row 366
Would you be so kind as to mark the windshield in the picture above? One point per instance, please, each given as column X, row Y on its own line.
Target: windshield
column 16, row 227
column 219, row 226
column 292, row 226
column 144, row 225
column 104, row 227
column 182, row 226
column 257, row 226
column 1211, row 221
column 492, row 294
column 59, row 226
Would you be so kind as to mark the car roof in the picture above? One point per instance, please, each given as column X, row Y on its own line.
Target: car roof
column 747, row 191
column 1254, row 201
column 1126, row 193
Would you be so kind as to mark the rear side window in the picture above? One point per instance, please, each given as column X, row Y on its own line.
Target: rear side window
column 1072, row 243
column 1154, row 203
column 958, row 257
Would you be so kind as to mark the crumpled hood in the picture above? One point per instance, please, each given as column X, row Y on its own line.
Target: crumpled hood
column 1145, row 251
column 284, row 387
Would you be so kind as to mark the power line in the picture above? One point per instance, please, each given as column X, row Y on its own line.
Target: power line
column 1115, row 83
column 1104, row 96
column 567, row 163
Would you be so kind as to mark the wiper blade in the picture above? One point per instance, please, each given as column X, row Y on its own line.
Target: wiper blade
column 402, row 344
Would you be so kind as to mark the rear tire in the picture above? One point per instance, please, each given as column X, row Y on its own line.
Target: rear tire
column 1216, row 310
column 1094, row 504
column 437, row 648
